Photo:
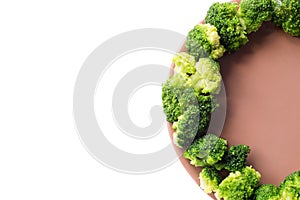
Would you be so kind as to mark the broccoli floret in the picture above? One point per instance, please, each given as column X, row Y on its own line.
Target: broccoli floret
column 291, row 22
column 287, row 15
column 170, row 102
column 177, row 101
column 239, row 184
column 184, row 64
column 204, row 76
column 289, row 193
column 278, row 12
column 290, row 187
column 206, row 151
column 230, row 28
column 204, row 41
column 177, row 98
column 186, row 127
column 207, row 78
column 292, row 180
column 255, row 12
column 171, row 92
column 207, row 104
column 235, row 158
column 188, row 97
column 209, row 179
column 267, row 192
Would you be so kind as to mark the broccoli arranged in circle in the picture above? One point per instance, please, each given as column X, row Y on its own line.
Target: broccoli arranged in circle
column 255, row 12
column 206, row 151
column 204, row 41
column 267, row 192
column 239, row 184
column 207, row 78
column 290, row 187
column 188, row 101
column 230, row 27
column 287, row 15
column 209, row 179
column 235, row 158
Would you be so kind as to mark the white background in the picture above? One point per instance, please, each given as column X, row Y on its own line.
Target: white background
column 43, row 45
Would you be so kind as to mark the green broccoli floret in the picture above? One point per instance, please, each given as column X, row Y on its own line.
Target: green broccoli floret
column 204, row 76
column 235, row 158
column 204, row 41
column 289, row 193
column 287, row 15
column 186, row 127
column 290, row 187
column 267, row 192
column 278, row 12
column 177, row 96
column 206, row 151
column 239, row 184
column 207, row 104
column 207, row 78
column 184, row 64
column 255, row 12
column 171, row 92
column 230, row 28
column 170, row 101
column 209, row 179
column 292, row 180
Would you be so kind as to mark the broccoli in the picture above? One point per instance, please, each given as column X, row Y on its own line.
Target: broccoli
column 230, row 28
column 267, row 192
column 204, row 76
column 207, row 105
column 290, row 187
column 209, row 179
column 206, row 151
column 176, row 100
column 278, row 12
column 170, row 101
column 287, row 15
column 177, row 95
column 235, row 158
column 184, row 64
column 186, row 127
column 204, row 41
column 255, row 12
column 207, row 79
column 171, row 92
column 289, row 193
column 239, row 184
column 180, row 104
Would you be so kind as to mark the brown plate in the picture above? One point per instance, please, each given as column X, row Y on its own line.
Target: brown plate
column 262, row 82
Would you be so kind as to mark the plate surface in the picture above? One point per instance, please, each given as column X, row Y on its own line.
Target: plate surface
column 262, row 82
